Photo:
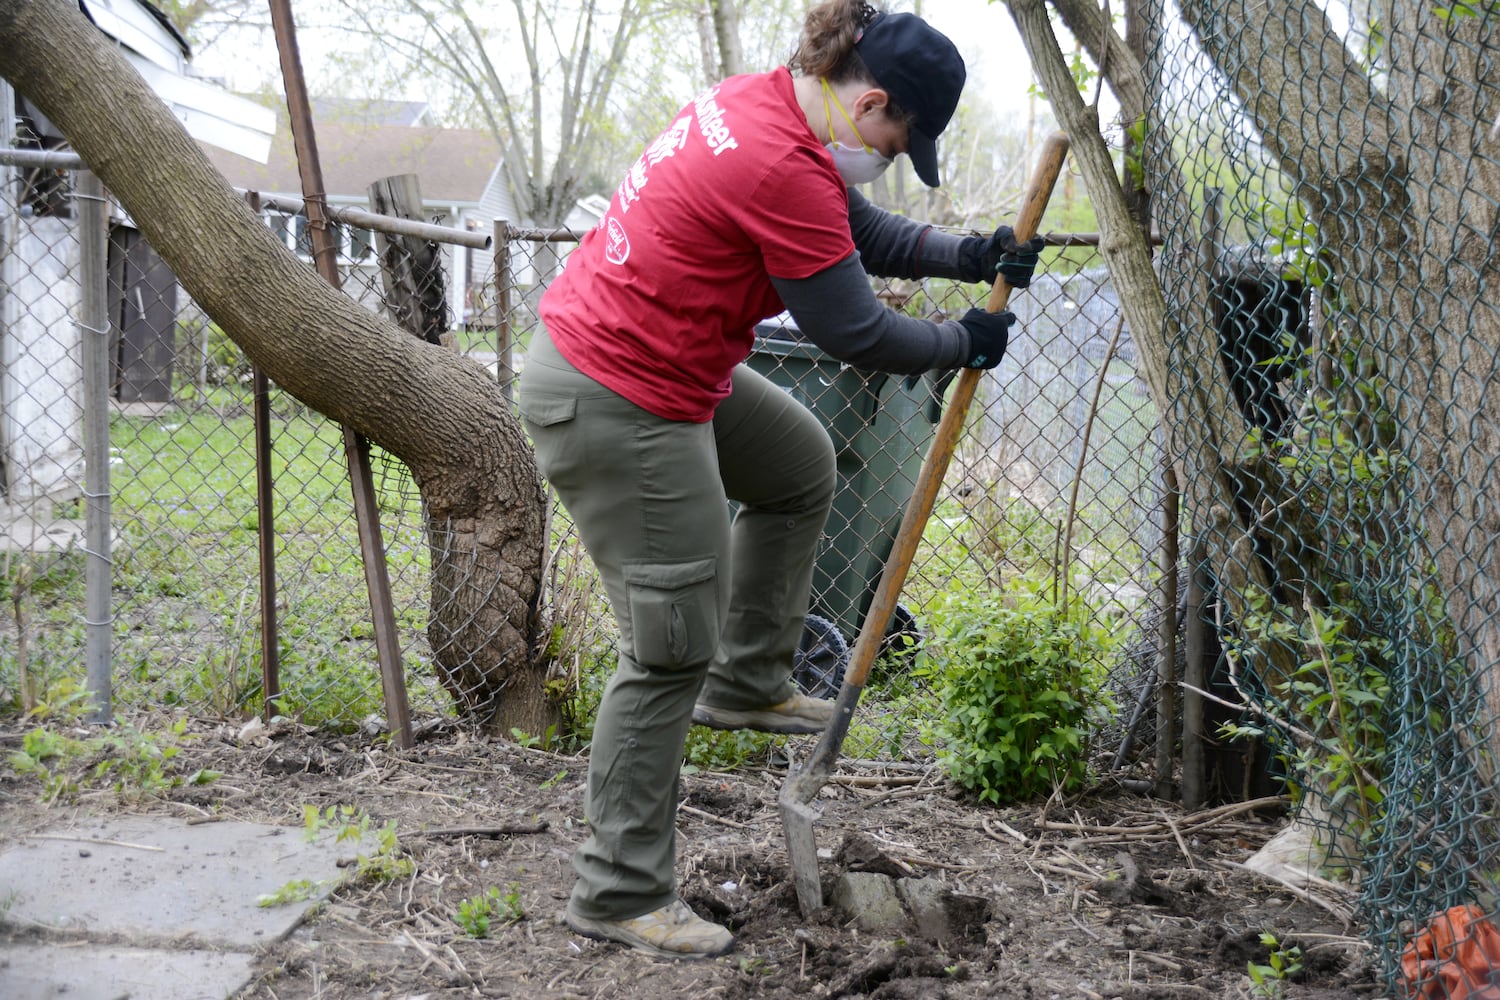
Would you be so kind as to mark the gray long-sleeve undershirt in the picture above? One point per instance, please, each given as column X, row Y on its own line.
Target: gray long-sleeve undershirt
column 837, row 310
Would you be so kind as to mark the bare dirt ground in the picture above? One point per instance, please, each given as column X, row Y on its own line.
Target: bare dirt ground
column 1111, row 895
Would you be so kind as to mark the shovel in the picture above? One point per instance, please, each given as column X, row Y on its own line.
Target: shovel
column 797, row 794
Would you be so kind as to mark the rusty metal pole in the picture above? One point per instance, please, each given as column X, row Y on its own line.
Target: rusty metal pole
column 1166, row 644
column 265, row 533
column 505, row 363
column 325, row 258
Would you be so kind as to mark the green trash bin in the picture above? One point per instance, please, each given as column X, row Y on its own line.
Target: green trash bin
column 881, row 427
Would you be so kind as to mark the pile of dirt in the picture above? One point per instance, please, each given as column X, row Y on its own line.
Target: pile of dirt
column 1107, row 896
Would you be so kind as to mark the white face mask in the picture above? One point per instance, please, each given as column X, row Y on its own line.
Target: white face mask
column 856, row 164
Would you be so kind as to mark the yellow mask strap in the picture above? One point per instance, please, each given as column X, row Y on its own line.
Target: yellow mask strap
column 828, row 95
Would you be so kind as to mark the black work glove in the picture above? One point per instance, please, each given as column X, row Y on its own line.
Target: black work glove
column 1002, row 255
column 988, row 334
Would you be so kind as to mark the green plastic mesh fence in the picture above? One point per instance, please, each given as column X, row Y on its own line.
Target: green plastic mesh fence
column 1326, row 178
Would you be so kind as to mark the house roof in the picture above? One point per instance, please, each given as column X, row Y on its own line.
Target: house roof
column 371, row 111
column 455, row 165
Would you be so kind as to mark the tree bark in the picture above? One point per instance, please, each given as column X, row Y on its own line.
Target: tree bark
column 726, row 15
column 1197, row 440
column 1204, row 431
column 443, row 416
column 1404, row 196
column 1120, row 67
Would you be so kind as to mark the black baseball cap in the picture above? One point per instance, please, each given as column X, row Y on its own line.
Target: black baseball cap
column 924, row 74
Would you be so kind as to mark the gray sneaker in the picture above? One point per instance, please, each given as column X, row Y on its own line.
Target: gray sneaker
column 673, row 931
column 798, row 714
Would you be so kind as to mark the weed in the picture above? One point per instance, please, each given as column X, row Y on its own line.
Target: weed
column 1337, row 745
column 1282, row 963
column 525, row 739
column 1015, row 691
column 44, row 755
column 139, row 763
column 135, row 764
column 385, row 864
column 296, row 891
column 348, row 822
column 476, row 913
column 724, row 749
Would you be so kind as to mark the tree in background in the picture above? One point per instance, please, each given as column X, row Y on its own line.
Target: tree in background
column 468, row 455
column 542, row 80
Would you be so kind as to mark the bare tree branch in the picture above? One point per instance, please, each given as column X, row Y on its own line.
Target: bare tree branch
column 1089, row 23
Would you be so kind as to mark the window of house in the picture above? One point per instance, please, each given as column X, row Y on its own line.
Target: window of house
column 302, row 236
column 361, row 244
column 281, row 225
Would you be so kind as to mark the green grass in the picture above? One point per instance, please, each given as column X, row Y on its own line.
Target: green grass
column 186, row 572
column 187, row 591
column 487, row 339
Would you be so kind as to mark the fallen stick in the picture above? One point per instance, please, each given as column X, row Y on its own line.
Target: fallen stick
column 1199, row 820
column 94, row 840
column 484, row 831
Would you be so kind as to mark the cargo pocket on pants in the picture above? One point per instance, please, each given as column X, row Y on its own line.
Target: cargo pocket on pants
column 543, row 415
column 674, row 611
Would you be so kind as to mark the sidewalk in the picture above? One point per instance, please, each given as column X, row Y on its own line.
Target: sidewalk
column 151, row 907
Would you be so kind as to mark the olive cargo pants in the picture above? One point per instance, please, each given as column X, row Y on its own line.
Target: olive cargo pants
column 701, row 603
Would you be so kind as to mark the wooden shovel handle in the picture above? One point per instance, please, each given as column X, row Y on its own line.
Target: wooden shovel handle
column 945, row 439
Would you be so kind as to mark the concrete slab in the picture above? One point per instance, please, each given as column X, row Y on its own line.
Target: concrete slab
column 156, row 879
column 85, row 971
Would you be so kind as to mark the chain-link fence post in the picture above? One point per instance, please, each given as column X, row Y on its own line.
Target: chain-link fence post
column 93, row 325
column 325, row 258
column 505, row 360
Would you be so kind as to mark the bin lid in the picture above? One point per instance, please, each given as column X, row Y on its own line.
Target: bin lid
column 779, row 336
column 779, row 327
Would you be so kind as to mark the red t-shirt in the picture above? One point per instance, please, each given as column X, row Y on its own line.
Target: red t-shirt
column 659, row 301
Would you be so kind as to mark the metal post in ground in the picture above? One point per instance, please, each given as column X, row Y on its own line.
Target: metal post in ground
column 265, row 524
column 356, row 448
column 93, row 325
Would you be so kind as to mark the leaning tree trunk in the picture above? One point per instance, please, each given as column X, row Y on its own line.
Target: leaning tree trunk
column 440, row 414
column 1203, row 430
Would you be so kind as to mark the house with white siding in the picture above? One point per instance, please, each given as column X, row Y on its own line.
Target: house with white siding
column 40, row 373
column 361, row 141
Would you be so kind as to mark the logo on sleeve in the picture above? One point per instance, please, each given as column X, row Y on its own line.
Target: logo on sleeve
column 616, row 243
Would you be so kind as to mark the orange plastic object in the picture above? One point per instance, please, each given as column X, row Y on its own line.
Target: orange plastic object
column 1455, row 957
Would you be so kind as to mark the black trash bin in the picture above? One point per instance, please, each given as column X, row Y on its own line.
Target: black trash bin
column 881, row 427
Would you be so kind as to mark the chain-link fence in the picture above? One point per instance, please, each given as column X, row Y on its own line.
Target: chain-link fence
column 1061, row 469
column 1339, row 431
column 1057, row 477
column 181, row 403
column 1328, row 190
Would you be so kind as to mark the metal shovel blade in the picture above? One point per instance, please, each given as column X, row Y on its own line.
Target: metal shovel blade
column 797, row 819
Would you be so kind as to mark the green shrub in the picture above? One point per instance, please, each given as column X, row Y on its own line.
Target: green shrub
column 1014, row 680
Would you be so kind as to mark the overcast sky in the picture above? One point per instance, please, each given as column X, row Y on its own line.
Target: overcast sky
column 983, row 32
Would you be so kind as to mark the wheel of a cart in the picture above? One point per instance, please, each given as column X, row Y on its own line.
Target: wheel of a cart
column 821, row 659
